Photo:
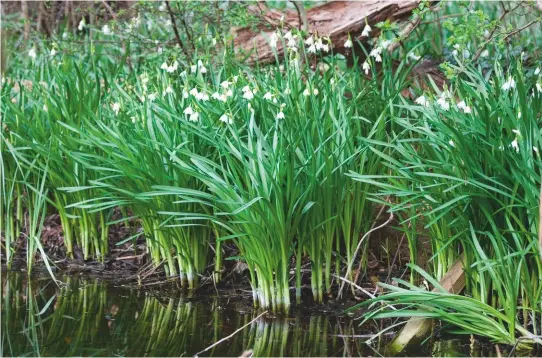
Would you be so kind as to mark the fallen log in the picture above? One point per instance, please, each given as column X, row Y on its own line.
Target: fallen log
column 416, row 329
column 336, row 19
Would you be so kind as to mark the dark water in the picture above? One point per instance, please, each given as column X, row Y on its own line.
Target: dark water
column 92, row 318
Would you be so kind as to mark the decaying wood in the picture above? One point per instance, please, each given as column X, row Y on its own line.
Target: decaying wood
column 416, row 329
column 335, row 19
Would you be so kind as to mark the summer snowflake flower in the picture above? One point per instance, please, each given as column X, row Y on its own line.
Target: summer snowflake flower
column 268, row 96
column 366, row 67
column 311, row 49
column 315, row 92
column 422, row 101
column 366, row 31
column 169, row 89
column 463, row 106
column 202, row 68
column 451, row 143
column 539, row 87
column 194, row 68
column 116, row 107
column 32, row 53
column 309, row 41
column 81, row 24
column 375, row 52
column 65, row 35
column 537, row 71
column 53, row 52
column 215, row 95
column 247, row 93
column 188, row 111
column 515, row 145
column 194, row 91
column 106, row 30
column 510, row 83
column 164, row 66
column 516, row 132
column 194, row 117
column 225, row 119
column 287, row 91
column 348, row 43
column 288, row 36
column 45, row 108
column 443, row 103
column 225, row 84
column 229, row 93
column 280, row 115
column 306, row 92
column 152, row 97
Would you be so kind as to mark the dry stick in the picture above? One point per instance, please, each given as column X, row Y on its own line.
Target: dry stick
column 228, row 337
column 405, row 33
column 349, row 269
column 109, row 9
column 175, row 30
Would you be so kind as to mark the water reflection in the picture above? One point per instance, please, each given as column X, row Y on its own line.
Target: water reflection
column 87, row 317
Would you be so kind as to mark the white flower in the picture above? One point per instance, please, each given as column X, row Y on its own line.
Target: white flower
column 268, row 96
column 194, row 117
column 116, row 107
column 288, row 35
column 185, row 94
column 375, row 52
column 319, row 45
column 517, row 132
column 384, row 44
column 106, row 30
column 451, row 143
column 188, row 110
column 194, row 91
column 248, row 94
column 229, row 93
column 202, row 68
column 287, row 91
column 309, row 41
column 225, row 119
column 169, row 89
column 515, row 145
column 462, row 105
column 162, row 7
column 81, row 24
column 194, row 68
column 484, row 53
column 45, row 108
column 32, row 53
column 348, row 43
column 535, row 149
column 53, row 52
column 245, row 89
column 537, row 71
column 164, row 66
column 235, row 79
column 366, row 67
column 311, row 49
column 443, row 104
column 152, row 97
column 413, row 56
column 467, row 110
column 280, row 115
column 510, row 83
column 519, row 115
column 539, row 87
column 215, row 95
column 325, row 47
column 422, row 101
column 366, row 31
column 225, row 84
column 306, row 92
column 315, row 92
column 182, row 74
column 65, row 35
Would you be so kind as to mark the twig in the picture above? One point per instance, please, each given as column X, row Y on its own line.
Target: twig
column 520, row 29
column 354, row 285
column 231, row 335
column 349, row 269
column 405, row 33
column 109, row 9
column 175, row 30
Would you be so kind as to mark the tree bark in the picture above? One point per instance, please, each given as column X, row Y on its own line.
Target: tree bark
column 335, row 19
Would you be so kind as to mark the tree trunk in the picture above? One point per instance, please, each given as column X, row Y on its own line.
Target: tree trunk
column 335, row 19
